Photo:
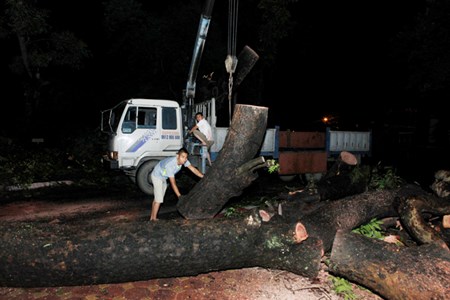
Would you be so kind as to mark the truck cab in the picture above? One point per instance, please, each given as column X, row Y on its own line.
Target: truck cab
column 141, row 133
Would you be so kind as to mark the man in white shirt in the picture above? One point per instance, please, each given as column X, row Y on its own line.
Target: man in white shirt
column 203, row 132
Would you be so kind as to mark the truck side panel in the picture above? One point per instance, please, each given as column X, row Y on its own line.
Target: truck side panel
column 269, row 146
column 303, row 140
column 292, row 162
column 309, row 152
column 357, row 142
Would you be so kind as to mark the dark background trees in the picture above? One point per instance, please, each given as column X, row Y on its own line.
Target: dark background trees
column 379, row 66
column 66, row 61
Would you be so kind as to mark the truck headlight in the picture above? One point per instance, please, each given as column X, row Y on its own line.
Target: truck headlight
column 114, row 155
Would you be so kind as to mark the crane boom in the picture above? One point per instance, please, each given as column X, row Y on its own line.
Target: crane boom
column 202, row 32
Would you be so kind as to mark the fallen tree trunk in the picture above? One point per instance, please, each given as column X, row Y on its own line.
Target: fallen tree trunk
column 81, row 253
column 411, row 211
column 38, row 255
column 323, row 219
column 394, row 272
column 231, row 172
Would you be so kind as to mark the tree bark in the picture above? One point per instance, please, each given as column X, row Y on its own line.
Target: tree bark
column 231, row 172
column 323, row 219
column 83, row 253
column 411, row 211
column 394, row 272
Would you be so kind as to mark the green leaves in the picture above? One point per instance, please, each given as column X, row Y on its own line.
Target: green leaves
column 383, row 178
column 371, row 229
column 342, row 287
column 273, row 165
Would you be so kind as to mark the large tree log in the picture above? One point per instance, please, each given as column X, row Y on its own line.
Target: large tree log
column 227, row 178
column 394, row 272
column 323, row 219
column 37, row 254
column 247, row 59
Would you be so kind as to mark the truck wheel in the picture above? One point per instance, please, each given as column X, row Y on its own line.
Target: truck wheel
column 143, row 179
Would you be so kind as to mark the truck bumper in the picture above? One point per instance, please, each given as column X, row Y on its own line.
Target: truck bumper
column 109, row 164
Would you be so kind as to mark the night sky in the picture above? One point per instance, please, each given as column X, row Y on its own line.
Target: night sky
column 336, row 61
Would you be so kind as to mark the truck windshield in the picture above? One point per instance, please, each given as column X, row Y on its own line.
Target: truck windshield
column 111, row 117
column 139, row 117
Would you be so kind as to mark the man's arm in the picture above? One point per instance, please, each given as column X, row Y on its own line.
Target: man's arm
column 195, row 171
column 173, row 184
column 193, row 128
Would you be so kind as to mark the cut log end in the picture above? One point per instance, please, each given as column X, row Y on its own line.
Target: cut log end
column 349, row 158
column 265, row 215
column 446, row 221
column 300, row 233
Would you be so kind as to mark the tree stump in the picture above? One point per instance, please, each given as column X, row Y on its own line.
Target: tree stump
column 233, row 170
column 344, row 163
column 337, row 183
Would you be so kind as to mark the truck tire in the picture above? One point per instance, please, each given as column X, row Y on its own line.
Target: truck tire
column 143, row 179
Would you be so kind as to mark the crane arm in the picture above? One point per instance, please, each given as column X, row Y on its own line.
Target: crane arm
column 202, row 32
column 188, row 97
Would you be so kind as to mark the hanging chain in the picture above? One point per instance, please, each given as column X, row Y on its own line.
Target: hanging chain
column 231, row 60
column 230, row 94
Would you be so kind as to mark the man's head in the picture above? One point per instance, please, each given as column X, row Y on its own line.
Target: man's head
column 182, row 156
column 198, row 116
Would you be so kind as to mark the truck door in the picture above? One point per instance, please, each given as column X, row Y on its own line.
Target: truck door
column 152, row 129
column 171, row 129
column 139, row 134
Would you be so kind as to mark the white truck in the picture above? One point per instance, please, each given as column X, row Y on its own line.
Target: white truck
column 144, row 131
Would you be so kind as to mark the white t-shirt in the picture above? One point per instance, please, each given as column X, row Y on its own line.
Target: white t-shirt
column 205, row 128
